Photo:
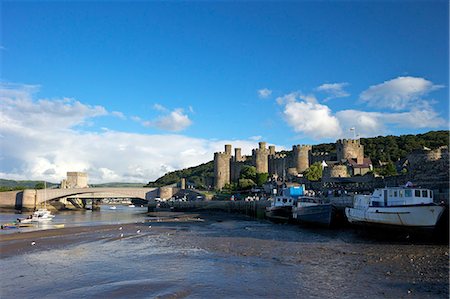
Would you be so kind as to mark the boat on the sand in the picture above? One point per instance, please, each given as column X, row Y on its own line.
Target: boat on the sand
column 314, row 210
column 401, row 207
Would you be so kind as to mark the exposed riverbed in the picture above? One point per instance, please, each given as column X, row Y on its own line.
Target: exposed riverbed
column 184, row 255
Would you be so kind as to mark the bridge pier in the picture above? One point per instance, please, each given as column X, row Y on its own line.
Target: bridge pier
column 96, row 204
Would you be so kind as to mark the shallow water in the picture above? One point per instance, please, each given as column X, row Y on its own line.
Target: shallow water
column 233, row 257
column 122, row 214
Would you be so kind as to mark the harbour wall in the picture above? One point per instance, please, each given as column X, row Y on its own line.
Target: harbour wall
column 254, row 209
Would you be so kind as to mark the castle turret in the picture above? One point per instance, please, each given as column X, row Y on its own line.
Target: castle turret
column 228, row 149
column 301, row 155
column 238, row 155
column 260, row 158
column 222, row 168
column 350, row 149
column 272, row 150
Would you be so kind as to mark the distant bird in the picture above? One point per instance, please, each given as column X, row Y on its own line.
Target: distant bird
column 149, row 226
column 120, row 228
column 33, row 243
column 121, row 235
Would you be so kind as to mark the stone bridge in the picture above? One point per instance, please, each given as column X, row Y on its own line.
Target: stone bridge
column 31, row 199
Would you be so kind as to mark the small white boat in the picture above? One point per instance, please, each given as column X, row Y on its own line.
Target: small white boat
column 41, row 215
column 131, row 206
column 396, row 206
column 112, row 207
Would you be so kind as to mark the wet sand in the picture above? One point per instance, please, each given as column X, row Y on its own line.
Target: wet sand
column 320, row 263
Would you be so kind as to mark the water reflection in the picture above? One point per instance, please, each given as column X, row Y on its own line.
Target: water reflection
column 122, row 214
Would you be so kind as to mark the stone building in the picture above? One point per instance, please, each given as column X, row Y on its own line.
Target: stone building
column 75, row 180
column 227, row 168
column 348, row 161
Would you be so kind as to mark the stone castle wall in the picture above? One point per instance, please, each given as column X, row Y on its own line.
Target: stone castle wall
column 260, row 158
column 301, row 155
column 227, row 168
column 350, row 149
column 222, row 173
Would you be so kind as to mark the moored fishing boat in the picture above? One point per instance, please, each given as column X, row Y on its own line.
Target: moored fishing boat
column 402, row 207
column 314, row 210
column 281, row 206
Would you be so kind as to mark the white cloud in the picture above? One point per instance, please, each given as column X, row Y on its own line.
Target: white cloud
column 335, row 90
column 118, row 114
column 369, row 124
column 264, row 93
column 311, row 119
column 399, row 93
column 304, row 115
column 255, row 138
column 39, row 140
column 175, row 121
column 160, row 107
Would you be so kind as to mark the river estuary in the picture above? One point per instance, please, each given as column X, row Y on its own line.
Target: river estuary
column 182, row 255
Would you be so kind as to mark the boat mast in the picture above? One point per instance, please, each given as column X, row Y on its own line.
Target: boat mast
column 45, row 195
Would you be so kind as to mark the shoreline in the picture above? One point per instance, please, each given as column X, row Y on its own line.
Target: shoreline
column 342, row 257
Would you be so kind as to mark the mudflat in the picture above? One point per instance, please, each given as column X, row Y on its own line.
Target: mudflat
column 190, row 255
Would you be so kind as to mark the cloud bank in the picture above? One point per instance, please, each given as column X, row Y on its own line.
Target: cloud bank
column 399, row 93
column 403, row 96
column 334, row 90
column 42, row 139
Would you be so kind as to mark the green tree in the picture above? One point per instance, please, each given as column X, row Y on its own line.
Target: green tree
column 245, row 184
column 248, row 172
column 230, row 187
column 261, row 178
column 314, row 172
column 39, row 185
column 388, row 169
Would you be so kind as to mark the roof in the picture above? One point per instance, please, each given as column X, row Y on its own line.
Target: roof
column 366, row 163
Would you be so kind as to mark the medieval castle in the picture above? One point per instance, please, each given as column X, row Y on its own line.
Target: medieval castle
column 349, row 155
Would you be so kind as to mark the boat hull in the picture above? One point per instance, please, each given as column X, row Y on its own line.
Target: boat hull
column 321, row 214
column 283, row 213
column 418, row 216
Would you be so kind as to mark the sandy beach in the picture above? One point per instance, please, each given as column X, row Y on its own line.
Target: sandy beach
column 322, row 263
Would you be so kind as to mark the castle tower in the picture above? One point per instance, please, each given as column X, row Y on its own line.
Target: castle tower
column 350, row 149
column 236, row 165
column 301, row 155
column 238, row 155
column 260, row 158
column 76, row 180
column 222, row 168
column 272, row 150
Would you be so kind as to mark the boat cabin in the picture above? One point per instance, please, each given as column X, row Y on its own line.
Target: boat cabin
column 281, row 201
column 398, row 196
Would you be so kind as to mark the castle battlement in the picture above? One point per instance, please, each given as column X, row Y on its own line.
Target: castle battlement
column 348, row 141
column 300, row 147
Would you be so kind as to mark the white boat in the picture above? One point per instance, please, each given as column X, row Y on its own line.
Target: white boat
column 396, row 206
column 112, row 207
column 131, row 206
column 314, row 210
column 42, row 214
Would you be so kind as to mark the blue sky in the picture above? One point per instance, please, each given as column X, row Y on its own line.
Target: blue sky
column 210, row 73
